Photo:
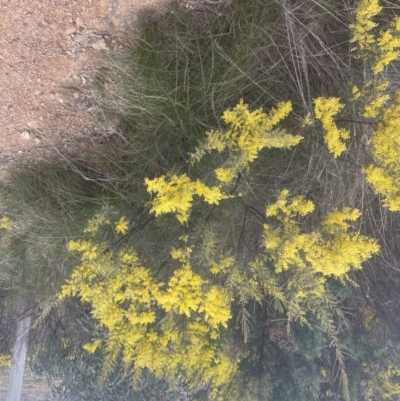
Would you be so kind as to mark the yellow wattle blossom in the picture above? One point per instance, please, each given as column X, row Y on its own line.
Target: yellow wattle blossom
column 387, row 184
column 95, row 223
column 307, row 259
column 89, row 249
column 122, row 225
column 387, row 383
column 330, row 251
column 372, row 94
column 184, row 293
column 379, row 48
column 335, row 220
column 144, row 317
column 216, row 307
column 249, row 132
column 222, row 266
column 356, row 92
column 365, row 11
column 5, row 222
column 92, row 346
column 375, row 105
column 175, row 195
column 336, row 256
column 307, row 120
column 5, row 360
column 384, row 177
column 387, row 46
column 386, row 138
column 283, row 210
column 325, row 110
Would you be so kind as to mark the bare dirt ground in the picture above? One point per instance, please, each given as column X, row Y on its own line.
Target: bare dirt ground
column 47, row 53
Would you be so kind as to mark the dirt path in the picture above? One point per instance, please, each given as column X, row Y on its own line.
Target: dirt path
column 45, row 46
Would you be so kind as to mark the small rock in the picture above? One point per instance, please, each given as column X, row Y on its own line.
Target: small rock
column 100, row 45
column 79, row 23
column 130, row 19
column 25, row 135
column 70, row 31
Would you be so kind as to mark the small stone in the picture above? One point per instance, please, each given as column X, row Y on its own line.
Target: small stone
column 25, row 135
column 100, row 45
column 79, row 22
column 70, row 31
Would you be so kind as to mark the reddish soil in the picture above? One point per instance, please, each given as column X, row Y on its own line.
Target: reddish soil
column 46, row 57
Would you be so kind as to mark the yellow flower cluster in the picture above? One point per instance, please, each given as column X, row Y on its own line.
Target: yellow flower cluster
column 89, row 249
column 325, row 110
column 248, row 133
column 388, row 46
column 95, row 223
column 385, row 178
column 387, row 383
column 386, row 184
column 381, row 48
column 307, row 120
column 285, row 211
column 92, row 346
column 305, row 260
column 215, row 308
column 5, row 360
column 366, row 10
column 175, row 195
column 372, row 109
column 5, row 222
column 386, row 139
column 333, row 251
column 373, row 95
column 335, row 220
column 144, row 317
column 122, row 225
column 222, row 266
column 184, row 293
column 286, row 242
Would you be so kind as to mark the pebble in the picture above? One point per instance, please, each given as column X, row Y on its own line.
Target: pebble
column 25, row 135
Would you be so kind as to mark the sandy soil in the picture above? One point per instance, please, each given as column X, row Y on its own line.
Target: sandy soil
column 46, row 57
